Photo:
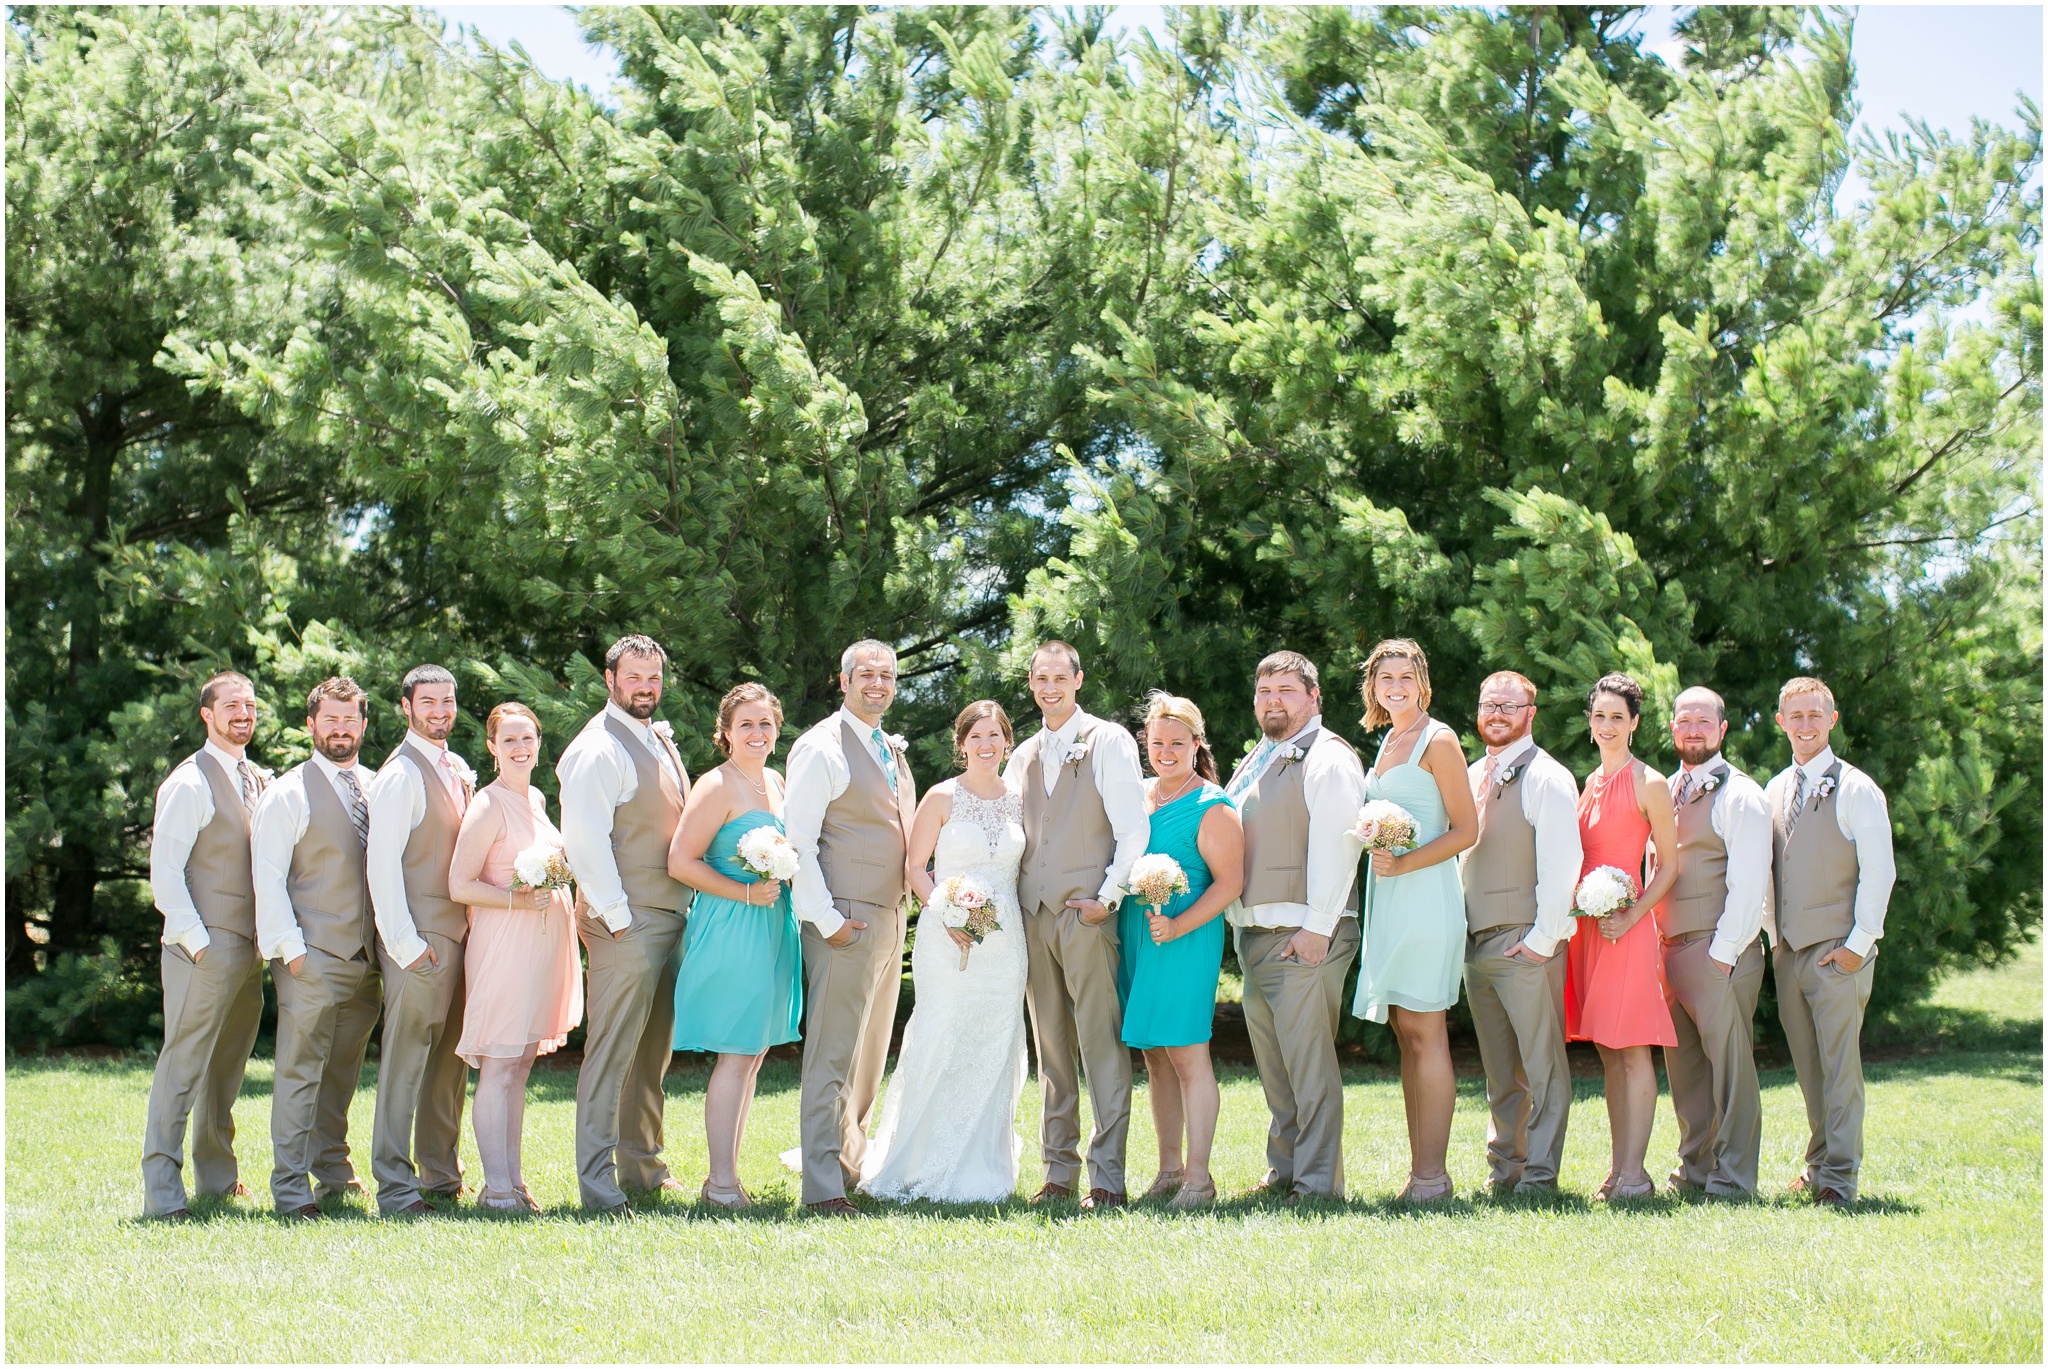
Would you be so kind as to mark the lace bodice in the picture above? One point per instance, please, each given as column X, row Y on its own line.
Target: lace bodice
column 983, row 836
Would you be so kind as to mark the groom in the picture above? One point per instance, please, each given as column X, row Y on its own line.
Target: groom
column 1084, row 824
column 848, row 810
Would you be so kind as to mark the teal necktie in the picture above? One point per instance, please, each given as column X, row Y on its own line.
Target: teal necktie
column 887, row 758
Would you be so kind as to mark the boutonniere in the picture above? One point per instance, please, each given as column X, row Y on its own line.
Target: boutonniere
column 1824, row 788
column 1288, row 751
column 1707, row 786
column 897, row 742
column 1076, row 753
column 1507, row 777
column 665, row 731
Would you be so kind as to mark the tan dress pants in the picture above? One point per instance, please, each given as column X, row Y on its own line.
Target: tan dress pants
column 325, row 1014
column 1712, row 1069
column 630, row 998
column 1822, row 1011
column 1077, row 1025
column 421, row 1083
column 211, row 1012
column 1518, row 1010
column 850, row 995
column 1291, row 1011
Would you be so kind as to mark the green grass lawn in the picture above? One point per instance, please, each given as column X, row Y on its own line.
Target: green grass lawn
column 1942, row 1261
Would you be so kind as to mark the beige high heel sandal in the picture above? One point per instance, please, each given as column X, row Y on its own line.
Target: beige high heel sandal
column 732, row 1200
column 1418, row 1192
column 1166, row 1185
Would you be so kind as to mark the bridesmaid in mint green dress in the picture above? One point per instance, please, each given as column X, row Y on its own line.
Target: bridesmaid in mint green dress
column 740, row 989
column 1414, row 913
column 1172, row 956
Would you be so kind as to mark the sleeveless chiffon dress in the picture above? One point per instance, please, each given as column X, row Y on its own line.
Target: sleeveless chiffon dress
column 741, row 986
column 1169, row 991
column 1614, row 990
column 522, row 983
column 1414, row 923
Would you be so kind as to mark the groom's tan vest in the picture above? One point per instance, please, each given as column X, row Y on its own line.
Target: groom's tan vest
column 1500, row 872
column 1068, row 842
column 1696, row 901
column 1275, row 816
column 429, row 849
column 1813, row 868
column 328, row 881
column 644, row 825
column 219, row 872
column 863, row 838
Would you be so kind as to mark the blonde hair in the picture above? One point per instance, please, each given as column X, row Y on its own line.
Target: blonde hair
column 1392, row 649
column 752, row 692
column 1161, row 706
column 1806, row 684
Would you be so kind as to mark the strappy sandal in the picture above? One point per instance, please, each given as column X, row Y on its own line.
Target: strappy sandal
column 526, row 1196
column 1193, row 1197
column 492, row 1201
column 731, row 1199
column 1419, row 1192
column 1167, row 1184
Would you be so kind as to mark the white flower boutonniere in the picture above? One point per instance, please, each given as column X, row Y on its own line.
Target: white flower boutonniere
column 1708, row 785
column 1288, row 751
column 1076, row 753
column 897, row 742
column 1507, row 777
column 665, row 731
column 1824, row 788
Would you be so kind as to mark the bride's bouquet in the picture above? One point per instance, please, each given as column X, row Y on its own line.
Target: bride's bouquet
column 1155, row 879
column 769, row 854
column 1384, row 826
column 967, row 904
column 541, row 866
column 1605, row 891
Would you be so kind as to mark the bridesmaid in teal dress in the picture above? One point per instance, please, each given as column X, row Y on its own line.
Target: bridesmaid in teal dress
column 740, row 989
column 1414, row 904
column 1172, row 956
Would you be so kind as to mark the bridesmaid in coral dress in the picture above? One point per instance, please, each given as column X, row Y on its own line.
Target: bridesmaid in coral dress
column 523, row 985
column 1614, row 973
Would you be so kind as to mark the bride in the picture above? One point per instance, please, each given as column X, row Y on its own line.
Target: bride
column 949, row 1126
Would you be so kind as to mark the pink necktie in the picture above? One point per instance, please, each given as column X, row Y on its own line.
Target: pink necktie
column 454, row 782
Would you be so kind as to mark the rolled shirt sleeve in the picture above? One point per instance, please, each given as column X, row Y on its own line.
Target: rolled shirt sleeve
column 1742, row 819
column 1333, row 783
column 184, row 805
column 280, row 822
column 1550, row 802
column 1122, row 786
column 594, row 779
column 817, row 774
column 1866, row 820
column 398, row 803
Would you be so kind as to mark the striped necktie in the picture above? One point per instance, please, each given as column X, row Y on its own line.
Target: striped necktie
column 248, row 782
column 352, row 797
column 1798, row 800
column 1684, row 790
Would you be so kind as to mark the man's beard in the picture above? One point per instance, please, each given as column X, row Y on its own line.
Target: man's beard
column 1515, row 733
column 1279, row 730
column 240, row 733
column 332, row 749
column 642, row 711
column 437, row 732
column 1696, row 753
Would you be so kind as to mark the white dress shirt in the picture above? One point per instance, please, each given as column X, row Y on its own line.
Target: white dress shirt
column 1333, row 784
column 1742, row 819
column 398, row 803
column 1550, row 803
column 597, row 776
column 280, row 821
column 817, row 774
column 1113, row 760
column 184, row 805
column 1864, row 818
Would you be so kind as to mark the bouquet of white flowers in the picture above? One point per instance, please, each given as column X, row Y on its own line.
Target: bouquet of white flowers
column 541, row 866
column 768, row 854
column 966, row 903
column 1384, row 826
column 1605, row 891
column 1155, row 879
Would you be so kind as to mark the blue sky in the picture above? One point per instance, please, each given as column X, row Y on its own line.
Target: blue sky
column 1941, row 63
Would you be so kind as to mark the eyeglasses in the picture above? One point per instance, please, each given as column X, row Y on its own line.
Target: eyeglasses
column 1487, row 710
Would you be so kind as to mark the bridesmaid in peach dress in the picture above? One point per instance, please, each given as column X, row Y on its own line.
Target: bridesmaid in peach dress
column 1614, row 971
column 523, row 984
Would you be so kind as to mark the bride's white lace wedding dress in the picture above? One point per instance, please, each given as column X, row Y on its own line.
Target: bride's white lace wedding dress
column 949, row 1124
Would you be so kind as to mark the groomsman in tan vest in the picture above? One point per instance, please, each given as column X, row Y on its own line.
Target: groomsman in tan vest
column 847, row 812
column 315, row 926
column 1713, row 961
column 199, row 876
column 1520, row 878
column 1298, row 793
column 1084, row 824
column 416, row 807
column 1831, row 877
column 623, row 787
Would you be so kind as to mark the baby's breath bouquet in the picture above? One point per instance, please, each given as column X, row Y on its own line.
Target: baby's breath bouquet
column 1156, row 879
column 541, row 866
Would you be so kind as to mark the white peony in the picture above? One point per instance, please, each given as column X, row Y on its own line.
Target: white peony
column 1155, row 879
column 541, row 866
column 1384, row 826
column 1604, row 892
column 769, row 854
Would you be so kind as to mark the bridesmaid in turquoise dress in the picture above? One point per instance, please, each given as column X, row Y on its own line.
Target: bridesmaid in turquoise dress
column 1172, row 956
column 1414, row 914
column 740, row 989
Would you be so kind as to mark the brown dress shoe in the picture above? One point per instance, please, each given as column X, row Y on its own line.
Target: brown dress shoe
column 833, row 1207
column 673, row 1185
column 1832, row 1197
column 183, row 1214
column 1052, row 1193
column 416, row 1208
column 1099, row 1198
column 308, row 1212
